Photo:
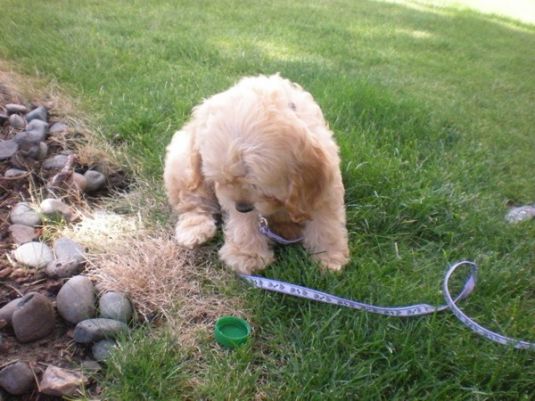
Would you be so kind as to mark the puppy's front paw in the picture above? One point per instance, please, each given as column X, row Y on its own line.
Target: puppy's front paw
column 243, row 261
column 194, row 230
column 332, row 261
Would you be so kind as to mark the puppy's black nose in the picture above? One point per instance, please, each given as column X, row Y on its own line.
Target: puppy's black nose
column 243, row 207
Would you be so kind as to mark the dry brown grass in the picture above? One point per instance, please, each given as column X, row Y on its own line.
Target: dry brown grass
column 130, row 253
column 165, row 281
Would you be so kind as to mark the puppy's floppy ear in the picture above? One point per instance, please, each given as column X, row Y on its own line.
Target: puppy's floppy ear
column 308, row 180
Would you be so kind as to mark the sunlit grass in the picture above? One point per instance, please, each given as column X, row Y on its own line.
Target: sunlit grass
column 520, row 10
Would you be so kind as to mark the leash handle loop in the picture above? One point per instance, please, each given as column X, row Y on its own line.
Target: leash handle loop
column 470, row 323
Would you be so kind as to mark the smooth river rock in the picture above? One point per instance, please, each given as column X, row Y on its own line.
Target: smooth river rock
column 33, row 318
column 39, row 113
column 21, row 234
column 53, row 207
column 114, row 305
column 34, row 254
column 66, row 249
column 16, row 121
column 24, row 214
column 94, row 180
column 6, row 311
column 101, row 349
column 76, row 300
column 12, row 108
column 92, row 330
column 35, row 132
column 14, row 172
column 56, row 162
column 17, row 378
column 8, row 148
column 63, row 269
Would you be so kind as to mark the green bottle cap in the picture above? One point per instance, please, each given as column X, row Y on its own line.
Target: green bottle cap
column 231, row 331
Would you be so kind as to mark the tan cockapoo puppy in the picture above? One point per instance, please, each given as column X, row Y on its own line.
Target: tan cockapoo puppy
column 260, row 149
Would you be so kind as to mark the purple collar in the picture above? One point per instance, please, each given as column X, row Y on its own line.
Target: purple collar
column 264, row 229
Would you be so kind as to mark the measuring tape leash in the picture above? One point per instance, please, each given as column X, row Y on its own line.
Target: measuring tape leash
column 400, row 311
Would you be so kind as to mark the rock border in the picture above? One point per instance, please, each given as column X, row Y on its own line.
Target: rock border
column 33, row 150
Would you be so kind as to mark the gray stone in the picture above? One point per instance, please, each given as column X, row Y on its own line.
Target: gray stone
column 54, row 207
column 56, row 162
column 58, row 128
column 20, row 234
column 17, row 378
column 6, row 312
column 66, row 250
column 17, row 121
column 8, row 148
column 114, row 305
column 79, row 181
column 29, row 150
column 14, row 172
column 95, row 180
column 76, row 299
column 23, row 138
column 16, row 108
column 24, row 214
column 43, row 151
column 519, row 214
column 34, row 318
column 90, row 367
column 92, row 330
column 39, row 113
column 70, row 257
column 61, row 382
column 37, row 128
column 34, row 254
column 35, row 132
column 102, row 349
column 63, row 269
column 29, row 146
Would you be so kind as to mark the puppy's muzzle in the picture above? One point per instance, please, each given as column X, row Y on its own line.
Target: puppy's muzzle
column 244, row 207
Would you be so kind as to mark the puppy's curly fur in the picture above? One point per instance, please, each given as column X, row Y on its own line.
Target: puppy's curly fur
column 261, row 148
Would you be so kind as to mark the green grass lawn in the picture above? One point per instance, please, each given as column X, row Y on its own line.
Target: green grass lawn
column 433, row 108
